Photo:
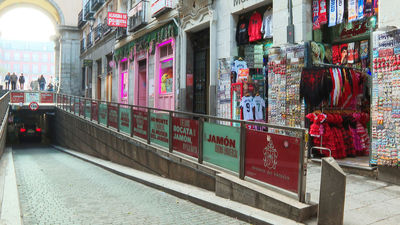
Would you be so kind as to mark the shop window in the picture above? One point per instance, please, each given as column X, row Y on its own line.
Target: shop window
column 166, row 69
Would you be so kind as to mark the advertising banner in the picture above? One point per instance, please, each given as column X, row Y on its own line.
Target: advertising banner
column 140, row 123
column 113, row 116
column 17, row 97
column 273, row 159
column 46, row 97
column 117, row 19
column 95, row 112
column 185, row 136
column 221, row 146
column 159, row 129
column 32, row 97
column 76, row 106
column 88, row 109
column 103, row 113
column 125, row 119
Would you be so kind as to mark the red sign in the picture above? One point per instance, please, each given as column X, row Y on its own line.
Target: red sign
column 46, row 97
column 34, row 106
column 140, row 123
column 273, row 159
column 95, row 110
column 113, row 116
column 17, row 97
column 185, row 137
column 117, row 19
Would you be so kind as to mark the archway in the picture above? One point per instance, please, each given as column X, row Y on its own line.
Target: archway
column 64, row 16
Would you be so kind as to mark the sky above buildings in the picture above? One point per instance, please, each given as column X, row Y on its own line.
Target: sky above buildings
column 26, row 24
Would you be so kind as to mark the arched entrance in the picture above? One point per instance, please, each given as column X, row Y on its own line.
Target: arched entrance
column 64, row 14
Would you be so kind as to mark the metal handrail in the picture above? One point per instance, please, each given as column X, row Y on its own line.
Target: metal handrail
column 67, row 103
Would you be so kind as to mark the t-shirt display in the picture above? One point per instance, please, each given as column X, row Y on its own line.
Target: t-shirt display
column 266, row 27
column 247, row 105
column 242, row 35
column 259, row 105
column 255, row 27
column 237, row 66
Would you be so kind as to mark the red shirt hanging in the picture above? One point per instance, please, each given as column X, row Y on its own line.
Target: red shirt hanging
column 255, row 27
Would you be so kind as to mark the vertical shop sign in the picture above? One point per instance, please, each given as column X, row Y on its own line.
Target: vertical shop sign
column 46, row 97
column 185, row 136
column 17, row 97
column 95, row 108
column 159, row 129
column 140, row 123
column 103, row 113
column 113, row 116
column 273, row 159
column 221, row 146
column 125, row 119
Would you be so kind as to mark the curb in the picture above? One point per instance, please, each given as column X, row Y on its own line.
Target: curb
column 193, row 194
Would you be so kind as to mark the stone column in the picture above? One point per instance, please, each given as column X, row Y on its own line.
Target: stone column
column 68, row 60
column 56, row 64
column 212, row 97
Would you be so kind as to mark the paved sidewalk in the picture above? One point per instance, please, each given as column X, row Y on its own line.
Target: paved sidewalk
column 10, row 209
column 368, row 201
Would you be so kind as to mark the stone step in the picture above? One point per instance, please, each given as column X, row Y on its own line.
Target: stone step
column 351, row 168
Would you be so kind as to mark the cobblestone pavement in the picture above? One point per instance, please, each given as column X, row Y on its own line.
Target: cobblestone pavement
column 56, row 188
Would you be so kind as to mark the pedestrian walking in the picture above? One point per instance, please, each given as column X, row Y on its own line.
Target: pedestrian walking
column 50, row 87
column 21, row 81
column 42, row 82
column 7, row 81
column 14, row 80
column 35, row 85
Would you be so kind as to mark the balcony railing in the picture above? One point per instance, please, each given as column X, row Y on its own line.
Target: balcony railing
column 96, row 4
column 138, row 16
column 81, row 20
column 98, row 32
column 88, row 13
column 106, row 29
column 121, row 33
column 89, row 40
column 82, row 45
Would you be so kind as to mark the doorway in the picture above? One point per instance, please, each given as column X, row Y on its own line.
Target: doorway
column 201, row 56
column 142, row 83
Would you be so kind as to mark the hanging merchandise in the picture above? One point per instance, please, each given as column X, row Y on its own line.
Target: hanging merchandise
column 255, row 27
column 315, row 10
column 386, row 99
column 247, row 105
column 368, row 7
column 350, row 52
column 322, row 15
column 360, row 11
column 266, row 27
column 376, row 7
column 352, row 10
column 242, row 35
column 340, row 11
column 332, row 13
column 284, row 73
column 259, row 105
column 237, row 66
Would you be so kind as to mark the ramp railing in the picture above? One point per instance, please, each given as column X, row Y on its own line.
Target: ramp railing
column 258, row 152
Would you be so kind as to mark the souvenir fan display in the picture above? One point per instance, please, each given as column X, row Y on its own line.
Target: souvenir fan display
column 339, row 123
column 284, row 73
column 385, row 105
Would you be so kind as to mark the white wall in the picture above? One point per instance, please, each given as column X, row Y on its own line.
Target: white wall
column 389, row 12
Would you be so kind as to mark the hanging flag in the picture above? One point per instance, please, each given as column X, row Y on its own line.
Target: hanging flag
column 360, row 10
column 352, row 10
column 368, row 7
column 322, row 16
column 316, row 24
column 332, row 13
column 340, row 11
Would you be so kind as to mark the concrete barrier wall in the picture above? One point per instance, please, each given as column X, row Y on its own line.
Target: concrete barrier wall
column 77, row 134
column 3, row 134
